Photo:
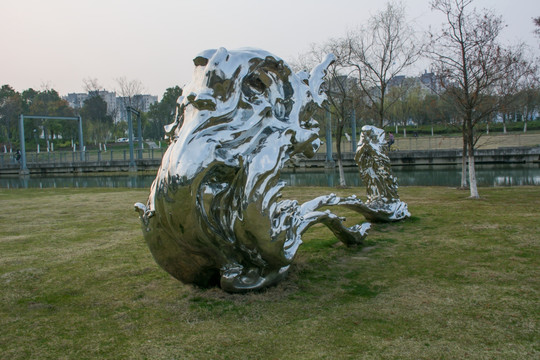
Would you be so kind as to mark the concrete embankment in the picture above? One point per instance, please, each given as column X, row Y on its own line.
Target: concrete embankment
column 81, row 167
column 513, row 155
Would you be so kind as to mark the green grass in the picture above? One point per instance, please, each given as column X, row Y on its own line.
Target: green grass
column 458, row 280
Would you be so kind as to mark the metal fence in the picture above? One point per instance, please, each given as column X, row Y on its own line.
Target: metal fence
column 66, row 157
column 410, row 143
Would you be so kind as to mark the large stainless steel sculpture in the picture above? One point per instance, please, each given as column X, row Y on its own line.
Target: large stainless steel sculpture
column 383, row 203
column 214, row 215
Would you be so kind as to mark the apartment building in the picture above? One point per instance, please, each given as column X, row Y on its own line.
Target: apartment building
column 116, row 105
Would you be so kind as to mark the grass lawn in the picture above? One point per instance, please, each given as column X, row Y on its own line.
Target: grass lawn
column 460, row 279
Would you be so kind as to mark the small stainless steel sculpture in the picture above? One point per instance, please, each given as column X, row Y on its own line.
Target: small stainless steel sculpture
column 214, row 214
column 383, row 203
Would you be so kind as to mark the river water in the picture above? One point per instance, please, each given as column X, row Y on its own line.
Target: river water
column 487, row 175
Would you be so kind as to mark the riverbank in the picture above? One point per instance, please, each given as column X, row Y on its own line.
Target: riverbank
column 437, row 175
column 523, row 155
column 518, row 155
column 458, row 280
column 437, row 150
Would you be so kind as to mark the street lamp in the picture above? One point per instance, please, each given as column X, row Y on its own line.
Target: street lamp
column 36, row 138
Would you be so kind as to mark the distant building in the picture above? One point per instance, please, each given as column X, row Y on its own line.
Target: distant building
column 110, row 98
column 429, row 82
column 76, row 100
column 396, row 81
column 116, row 105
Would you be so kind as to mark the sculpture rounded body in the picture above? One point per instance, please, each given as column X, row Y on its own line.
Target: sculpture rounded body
column 214, row 215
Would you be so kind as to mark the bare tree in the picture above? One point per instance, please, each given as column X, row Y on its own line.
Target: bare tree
column 341, row 90
column 519, row 90
column 470, row 63
column 407, row 97
column 341, row 98
column 379, row 52
column 367, row 61
column 528, row 96
column 536, row 22
column 92, row 85
column 128, row 90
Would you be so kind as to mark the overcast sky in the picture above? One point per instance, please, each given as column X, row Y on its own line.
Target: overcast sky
column 58, row 43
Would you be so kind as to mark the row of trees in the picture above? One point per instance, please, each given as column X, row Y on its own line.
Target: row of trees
column 153, row 121
column 98, row 120
column 477, row 77
column 97, row 125
column 32, row 102
column 419, row 106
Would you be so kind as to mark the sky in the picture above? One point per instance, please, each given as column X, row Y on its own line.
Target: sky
column 60, row 43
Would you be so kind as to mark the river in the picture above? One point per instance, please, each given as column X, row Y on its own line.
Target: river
column 487, row 175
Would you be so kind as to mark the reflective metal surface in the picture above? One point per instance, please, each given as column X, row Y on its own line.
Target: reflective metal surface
column 214, row 215
column 383, row 203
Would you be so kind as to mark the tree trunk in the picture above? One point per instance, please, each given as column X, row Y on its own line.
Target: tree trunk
column 525, row 117
column 464, row 166
column 464, row 160
column 381, row 107
column 472, row 171
column 342, row 182
column 472, row 176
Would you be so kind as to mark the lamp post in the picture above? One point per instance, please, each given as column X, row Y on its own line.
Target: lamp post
column 353, row 130
column 36, row 139
column 329, row 163
column 132, row 164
